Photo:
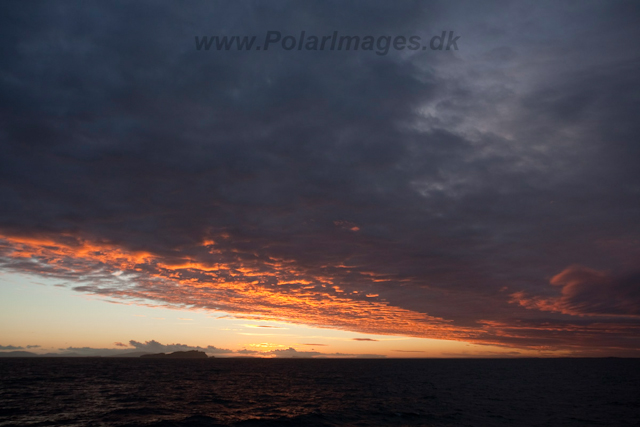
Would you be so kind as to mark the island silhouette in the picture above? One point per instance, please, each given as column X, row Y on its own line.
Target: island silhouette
column 191, row 354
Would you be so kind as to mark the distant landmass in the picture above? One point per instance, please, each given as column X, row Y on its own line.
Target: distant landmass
column 66, row 354
column 17, row 354
column 131, row 354
column 191, row 354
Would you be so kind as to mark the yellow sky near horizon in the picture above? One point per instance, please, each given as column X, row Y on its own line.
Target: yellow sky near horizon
column 45, row 312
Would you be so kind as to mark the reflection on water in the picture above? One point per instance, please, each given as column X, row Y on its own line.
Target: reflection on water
column 258, row 392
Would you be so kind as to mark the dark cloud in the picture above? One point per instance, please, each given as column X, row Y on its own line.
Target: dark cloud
column 363, row 339
column 293, row 353
column 154, row 346
column 489, row 354
column 412, row 193
column 137, row 348
column 246, row 351
column 10, row 347
column 87, row 352
column 588, row 292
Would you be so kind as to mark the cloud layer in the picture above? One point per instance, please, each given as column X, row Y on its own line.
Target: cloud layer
column 136, row 348
column 588, row 292
column 431, row 194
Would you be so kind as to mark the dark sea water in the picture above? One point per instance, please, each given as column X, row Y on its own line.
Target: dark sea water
column 258, row 392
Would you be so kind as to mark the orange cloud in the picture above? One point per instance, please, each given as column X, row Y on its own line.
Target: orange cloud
column 588, row 292
column 255, row 287
column 271, row 289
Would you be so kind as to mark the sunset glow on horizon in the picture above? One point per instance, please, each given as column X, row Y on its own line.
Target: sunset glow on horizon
column 305, row 299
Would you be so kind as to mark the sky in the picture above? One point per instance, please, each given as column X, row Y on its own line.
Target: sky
column 477, row 200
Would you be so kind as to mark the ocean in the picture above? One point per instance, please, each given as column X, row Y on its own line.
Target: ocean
column 319, row 392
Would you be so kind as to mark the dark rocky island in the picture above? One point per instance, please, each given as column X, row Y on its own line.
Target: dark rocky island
column 191, row 354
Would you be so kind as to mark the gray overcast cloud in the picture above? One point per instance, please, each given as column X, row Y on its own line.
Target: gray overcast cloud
column 489, row 194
